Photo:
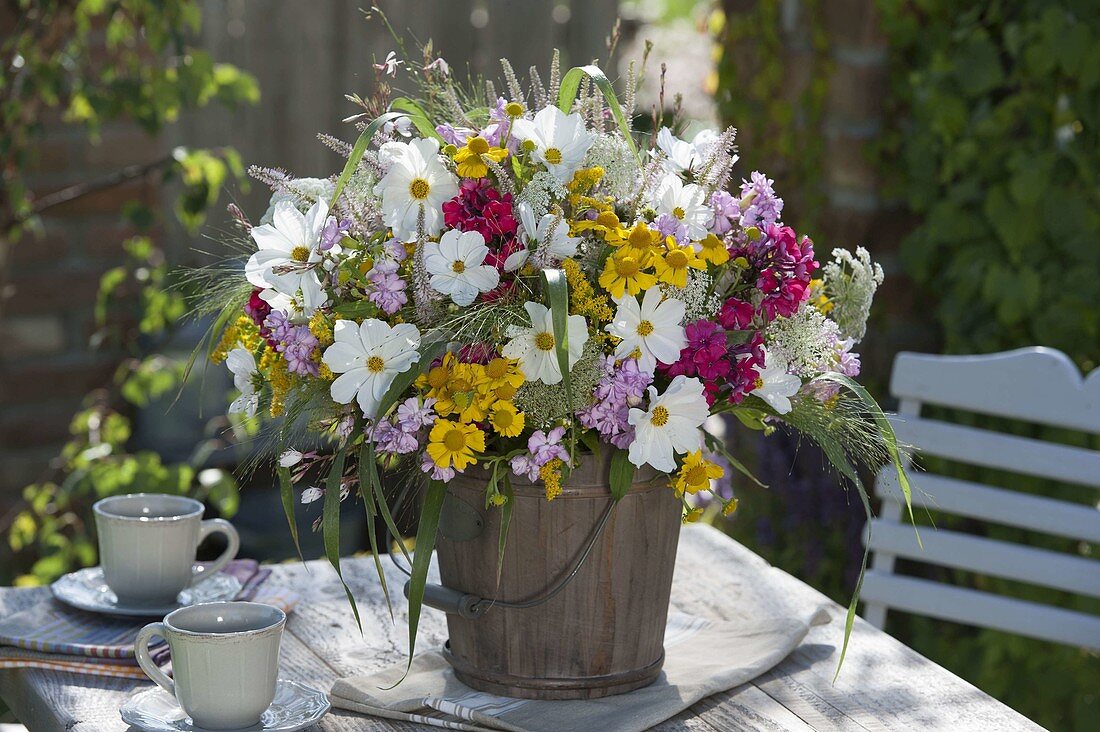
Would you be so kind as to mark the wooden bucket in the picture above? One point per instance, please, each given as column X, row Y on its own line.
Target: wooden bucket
column 603, row 633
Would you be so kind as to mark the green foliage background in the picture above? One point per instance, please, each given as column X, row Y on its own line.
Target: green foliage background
column 992, row 142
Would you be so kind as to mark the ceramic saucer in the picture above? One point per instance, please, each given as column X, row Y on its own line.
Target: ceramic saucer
column 295, row 707
column 86, row 590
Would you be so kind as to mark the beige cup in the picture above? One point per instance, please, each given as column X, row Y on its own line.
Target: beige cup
column 225, row 660
column 147, row 545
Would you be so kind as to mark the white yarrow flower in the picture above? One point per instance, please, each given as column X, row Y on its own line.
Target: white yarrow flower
column 687, row 202
column 417, row 183
column 776, row 386
column 651, row 328
column 534, row 347
column 368, row 356
column 242, row 365
column 670, row 425
column 549, row 238
column 457, row 266
column 561, row 140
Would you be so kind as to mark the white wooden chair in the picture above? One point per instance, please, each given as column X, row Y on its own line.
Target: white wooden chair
column 1035, row 385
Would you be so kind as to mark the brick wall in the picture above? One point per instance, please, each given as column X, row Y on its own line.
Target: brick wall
column 46, row 364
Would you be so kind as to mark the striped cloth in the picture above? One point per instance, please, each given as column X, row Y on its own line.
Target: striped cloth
column 51, row 635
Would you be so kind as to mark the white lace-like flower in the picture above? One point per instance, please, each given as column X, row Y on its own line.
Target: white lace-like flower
column 549, row 239
column 416, row 182
column 670, row 426
column 775, row 385
column 368, row 357
column 289, row 255
column 301, row 192
column 561, row 140
column 535, row 346
column 652, row 329
column 682, row 156
column 686, row 202
column 242, row 365
column 457, row 266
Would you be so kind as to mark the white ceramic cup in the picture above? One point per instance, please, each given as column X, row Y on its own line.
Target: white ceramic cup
column 225, row 660
column 147, row 545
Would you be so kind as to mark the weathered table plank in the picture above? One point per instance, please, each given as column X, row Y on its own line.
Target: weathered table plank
column 883, row 686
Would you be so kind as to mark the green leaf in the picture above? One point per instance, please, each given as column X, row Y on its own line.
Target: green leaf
column 366, row 491
column 425, row 543
column 286, row 489
column 358, row 150
column 622, row 473
column 330, row 524
column 571, row 82
column 417, row 116
column 557, row 294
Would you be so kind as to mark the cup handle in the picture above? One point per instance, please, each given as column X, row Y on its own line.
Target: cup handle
column 146, row 662
column 217, row 526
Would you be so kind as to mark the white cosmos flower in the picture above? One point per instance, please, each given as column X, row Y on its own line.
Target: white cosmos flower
column 686, row 202
column 368, row 357
column 289, row 253
column 416, row 181
column 535, row 346
column 776, row 385
column 242, row 365
column 652, row 327
column 682, row 156
column 561, row 140
column 670, row 426
column 457, row 266
column 549, row 238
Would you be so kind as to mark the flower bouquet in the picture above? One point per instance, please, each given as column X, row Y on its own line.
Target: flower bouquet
column 507, row 289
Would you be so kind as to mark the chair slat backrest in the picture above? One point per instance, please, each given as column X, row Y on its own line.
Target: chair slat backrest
column 1034, row 385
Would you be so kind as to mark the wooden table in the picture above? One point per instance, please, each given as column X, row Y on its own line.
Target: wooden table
column 884, row 685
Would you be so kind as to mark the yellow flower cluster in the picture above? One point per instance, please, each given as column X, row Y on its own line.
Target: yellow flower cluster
column 818, row 298
column 467, row 393
column 279, row 377
column 583, row 299
column 641, row 260
column 550, row 474
column 321, row 329
column 242, row 332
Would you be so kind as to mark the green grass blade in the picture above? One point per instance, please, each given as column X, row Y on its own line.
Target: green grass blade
column 422, row 557
column 330, row 524
column 286, row 490
column 417, row 116
column 366, row 491
column 715, row 444
column 505, row 522
column 622, row 473
column 358, row 149
column 571, row 82
column 557, row 294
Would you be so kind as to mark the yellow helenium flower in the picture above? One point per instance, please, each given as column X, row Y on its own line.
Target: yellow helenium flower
column 606, row 225
column 673, row 266
column 451, row 444
column 438, row 378
column 696, row 473
column 622, row 272
column 499, row 372
column 470, row 159
column 713, row 250
column 460, row 396
column 506, row 420
column 640, row 240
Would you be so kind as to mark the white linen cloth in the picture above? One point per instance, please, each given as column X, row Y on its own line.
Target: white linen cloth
column 702, row 657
